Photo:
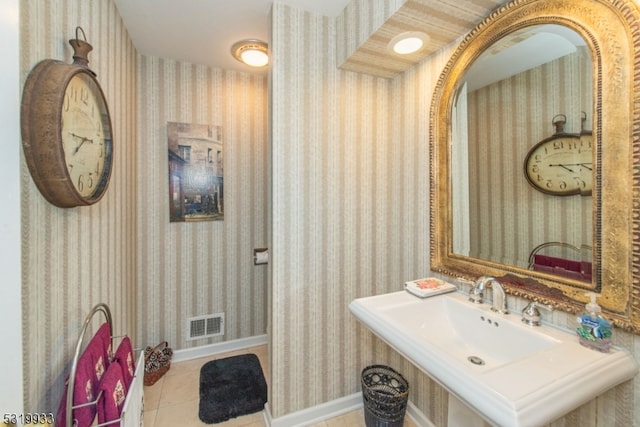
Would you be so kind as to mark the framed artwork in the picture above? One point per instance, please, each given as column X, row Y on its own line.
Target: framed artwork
column 196, row 178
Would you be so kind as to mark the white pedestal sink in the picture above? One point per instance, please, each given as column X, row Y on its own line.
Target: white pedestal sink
column 510, row 373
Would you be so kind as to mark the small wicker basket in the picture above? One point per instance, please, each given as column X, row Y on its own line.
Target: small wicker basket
column 157, row 361
column 385, row 393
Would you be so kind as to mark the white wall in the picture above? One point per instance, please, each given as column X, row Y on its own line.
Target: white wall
column 10, row 295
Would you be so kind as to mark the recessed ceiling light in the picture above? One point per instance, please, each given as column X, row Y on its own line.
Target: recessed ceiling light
column 408, row 42
column 251, row 52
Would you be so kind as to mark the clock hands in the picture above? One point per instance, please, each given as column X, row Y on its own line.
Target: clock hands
column 82, row 139
column 566, row 166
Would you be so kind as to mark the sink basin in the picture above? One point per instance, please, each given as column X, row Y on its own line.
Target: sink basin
column 462, row 330
column 510, row 373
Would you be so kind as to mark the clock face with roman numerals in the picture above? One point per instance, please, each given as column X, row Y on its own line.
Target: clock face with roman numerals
column 561, row 165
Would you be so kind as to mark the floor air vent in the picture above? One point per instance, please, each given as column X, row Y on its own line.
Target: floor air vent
column 211, row 325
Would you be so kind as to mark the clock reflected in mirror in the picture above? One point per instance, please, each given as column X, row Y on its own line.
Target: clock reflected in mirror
column 561, row 165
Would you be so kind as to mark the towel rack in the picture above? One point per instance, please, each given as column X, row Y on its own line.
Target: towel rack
column 98, row 308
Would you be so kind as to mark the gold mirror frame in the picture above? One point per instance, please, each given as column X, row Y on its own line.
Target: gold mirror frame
column 611, row 29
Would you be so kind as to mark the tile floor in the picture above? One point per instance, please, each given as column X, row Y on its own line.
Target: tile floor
column 174, row 399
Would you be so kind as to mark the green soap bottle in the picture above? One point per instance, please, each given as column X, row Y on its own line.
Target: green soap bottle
column 594, row 330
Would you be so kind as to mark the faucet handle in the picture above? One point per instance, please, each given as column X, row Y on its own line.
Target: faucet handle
column 531, row 314
column 476, row 294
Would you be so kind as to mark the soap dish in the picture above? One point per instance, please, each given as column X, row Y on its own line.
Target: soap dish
column 428, row 287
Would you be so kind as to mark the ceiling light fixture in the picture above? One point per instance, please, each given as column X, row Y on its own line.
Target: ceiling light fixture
column 251, row 52
column 408, row 42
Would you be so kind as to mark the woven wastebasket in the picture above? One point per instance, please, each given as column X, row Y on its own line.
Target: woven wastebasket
column 385, row 393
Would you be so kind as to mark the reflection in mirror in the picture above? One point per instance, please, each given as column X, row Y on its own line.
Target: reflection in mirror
column 521, row 154
column 608, row 219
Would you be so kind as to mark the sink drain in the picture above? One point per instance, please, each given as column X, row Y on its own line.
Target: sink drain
column 475, row 360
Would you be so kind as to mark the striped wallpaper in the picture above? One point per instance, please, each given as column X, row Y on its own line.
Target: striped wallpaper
column 347, row 206
column 76, row 258
column 506, row 119
column 153, row 274
column 359, row 20
column 350, row 211
column 193, row 269
column 349, row 202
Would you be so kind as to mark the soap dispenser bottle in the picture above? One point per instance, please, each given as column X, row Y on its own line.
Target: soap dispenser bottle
column 594, row 330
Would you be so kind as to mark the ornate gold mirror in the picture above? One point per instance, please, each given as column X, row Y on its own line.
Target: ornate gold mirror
column 543, row 151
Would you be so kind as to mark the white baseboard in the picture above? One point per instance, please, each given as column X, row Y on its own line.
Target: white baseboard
column 221, row 347
column 315, row 414
column 418, row 417
column 335, row 408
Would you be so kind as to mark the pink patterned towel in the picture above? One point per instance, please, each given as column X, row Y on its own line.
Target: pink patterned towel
column 563, row 267
column 92, row 364
column 124, row 356
column 113, row 395
column 85, row 390
column 104, row 334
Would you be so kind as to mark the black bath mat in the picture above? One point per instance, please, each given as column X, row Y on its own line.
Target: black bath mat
column 231, row 387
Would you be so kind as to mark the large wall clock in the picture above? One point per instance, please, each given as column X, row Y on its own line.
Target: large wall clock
column 561, row 165
column 66, row 130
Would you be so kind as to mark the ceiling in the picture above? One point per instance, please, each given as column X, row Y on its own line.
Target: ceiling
column 443, row 21
column 202, row 31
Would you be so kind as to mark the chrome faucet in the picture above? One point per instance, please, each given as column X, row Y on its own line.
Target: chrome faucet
column 499, row 298
column 499, row 303
column 531, row 314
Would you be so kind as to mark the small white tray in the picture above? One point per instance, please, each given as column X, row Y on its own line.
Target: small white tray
column 428, row 287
